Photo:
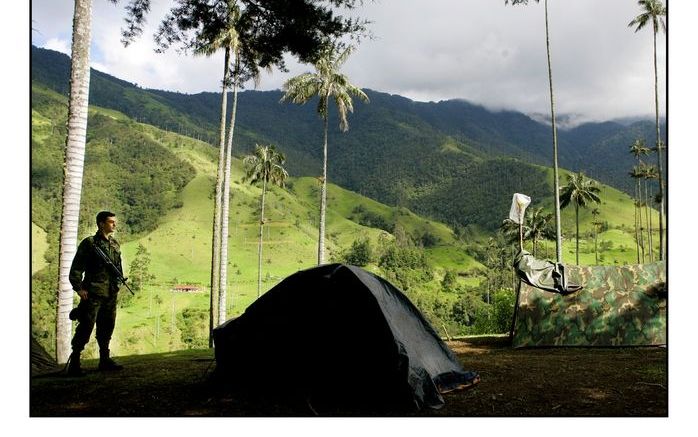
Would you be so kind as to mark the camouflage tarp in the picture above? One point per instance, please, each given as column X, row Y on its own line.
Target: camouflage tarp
column 543, row 274
column 619, row 306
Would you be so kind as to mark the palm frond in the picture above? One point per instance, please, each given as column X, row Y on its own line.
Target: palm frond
column 327, row 82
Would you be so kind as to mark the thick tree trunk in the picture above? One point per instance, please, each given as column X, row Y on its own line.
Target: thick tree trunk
column 216, row 237
column 73, row 169
column 323, row 202
column 223, row 288
column 261, row 236
column 556, row 176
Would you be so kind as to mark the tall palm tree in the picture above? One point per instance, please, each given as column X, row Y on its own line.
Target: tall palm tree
column 73, row 166
column 649, row 173
column 326, row 83
column 207, row 45
column 539, row 227
column 240, row 75
column 513, row 232
column 556, row 175
column 227, row 39
column 653, row 11
column 73, row 169
column 596, row 223
column 579, row 191
column 225, row 213
column 75, row 158
column 638, row 150
column 265, row 166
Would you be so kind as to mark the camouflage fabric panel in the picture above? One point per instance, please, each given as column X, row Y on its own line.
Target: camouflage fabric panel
column 618, row 306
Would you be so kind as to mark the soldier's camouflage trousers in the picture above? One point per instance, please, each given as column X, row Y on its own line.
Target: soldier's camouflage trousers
column 95, row 310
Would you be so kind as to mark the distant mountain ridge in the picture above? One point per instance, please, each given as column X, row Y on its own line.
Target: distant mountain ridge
column 398, row 151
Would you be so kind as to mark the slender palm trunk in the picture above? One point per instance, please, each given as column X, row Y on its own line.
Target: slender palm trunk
column 638, row 219
column 648, row 220
column 323, row 201
column 73, row 169
column 534, row 246
column 223, row 288
column 642, row 234
column 261, row 235
column 576, row 215
column 556, row 176
column 659, row 154
column 216, row 243
column 596, row 245
column 637, row 230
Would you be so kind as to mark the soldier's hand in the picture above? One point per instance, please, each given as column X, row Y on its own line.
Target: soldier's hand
column 82, row 294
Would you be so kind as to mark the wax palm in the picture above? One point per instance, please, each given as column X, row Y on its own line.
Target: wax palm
column 637, row 174
column 327, row 83
column 556, row 175
column 512, row 231
column 581, row 192
column 265, row 166
column 596, row 223
column 73, row 169
column 539, row 227
column 208, row 42
column 74, row 161
column 652, row 12
column 638, row 149
column 649, row 173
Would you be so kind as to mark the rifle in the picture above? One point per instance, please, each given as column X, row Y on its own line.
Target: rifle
column 114, row 268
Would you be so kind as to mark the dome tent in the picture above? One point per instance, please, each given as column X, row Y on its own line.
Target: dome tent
column 339, row 336
column 41, row 362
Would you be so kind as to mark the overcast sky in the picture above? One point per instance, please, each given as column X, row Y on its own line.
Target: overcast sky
column 428, row 50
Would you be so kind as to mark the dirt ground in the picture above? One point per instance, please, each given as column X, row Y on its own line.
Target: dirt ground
column 549, row 382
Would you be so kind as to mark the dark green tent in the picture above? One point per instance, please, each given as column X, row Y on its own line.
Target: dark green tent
column 41, row 362
column 338, row 336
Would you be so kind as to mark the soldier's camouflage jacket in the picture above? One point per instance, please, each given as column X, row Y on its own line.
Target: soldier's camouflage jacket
column 98, row 278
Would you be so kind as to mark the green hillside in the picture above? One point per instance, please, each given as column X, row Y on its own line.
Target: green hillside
column 39, row 247
column 179, row 244
column 161, row 185
column 452, row 161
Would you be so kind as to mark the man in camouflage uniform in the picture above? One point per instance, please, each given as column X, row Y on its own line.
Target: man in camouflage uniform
column 98, row 289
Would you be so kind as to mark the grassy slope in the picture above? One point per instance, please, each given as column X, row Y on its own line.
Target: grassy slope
column 342, row 230
column 617, row 210
column 180, row 247
column 39, row 246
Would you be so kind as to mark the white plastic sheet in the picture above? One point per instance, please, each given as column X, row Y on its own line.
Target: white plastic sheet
column 518, row 207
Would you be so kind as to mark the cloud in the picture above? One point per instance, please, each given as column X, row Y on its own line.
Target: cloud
column 478, row 50
column 58, row 45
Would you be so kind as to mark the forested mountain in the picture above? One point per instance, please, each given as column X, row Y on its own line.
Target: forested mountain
column 161, row 185
column 452, row 160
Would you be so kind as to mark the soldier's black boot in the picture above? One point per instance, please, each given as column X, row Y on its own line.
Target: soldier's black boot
column 74, row 368
column 106, row 363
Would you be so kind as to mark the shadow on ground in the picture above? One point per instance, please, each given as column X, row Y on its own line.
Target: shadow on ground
column 614, row 382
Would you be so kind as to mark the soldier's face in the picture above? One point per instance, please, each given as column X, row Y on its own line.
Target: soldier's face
column 109, row 225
